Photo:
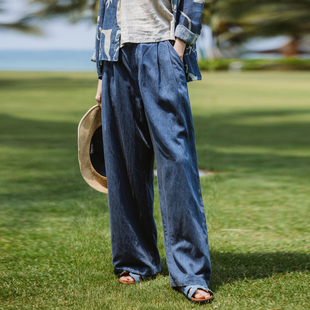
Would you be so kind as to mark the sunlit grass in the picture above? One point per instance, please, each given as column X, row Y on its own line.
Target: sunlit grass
column 252, row 130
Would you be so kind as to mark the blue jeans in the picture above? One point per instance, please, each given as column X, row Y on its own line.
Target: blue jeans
column 146, row 111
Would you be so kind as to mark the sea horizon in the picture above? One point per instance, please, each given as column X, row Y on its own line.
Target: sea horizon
column 47, row 60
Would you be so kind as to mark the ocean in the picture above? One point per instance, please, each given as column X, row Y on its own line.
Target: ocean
column 47, row 60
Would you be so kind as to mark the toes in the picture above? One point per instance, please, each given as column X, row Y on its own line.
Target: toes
column 127, row 279
column 201, row 294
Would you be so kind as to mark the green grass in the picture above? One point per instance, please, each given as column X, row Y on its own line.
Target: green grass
column 252, row 130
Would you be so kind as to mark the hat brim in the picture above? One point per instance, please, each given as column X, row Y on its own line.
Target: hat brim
column 88, row 125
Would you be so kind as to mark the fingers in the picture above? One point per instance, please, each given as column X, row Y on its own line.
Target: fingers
column 98, row 96
column 98, row 99
column 179, row 47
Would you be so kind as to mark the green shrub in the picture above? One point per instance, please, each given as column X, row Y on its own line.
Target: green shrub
column 254, row 64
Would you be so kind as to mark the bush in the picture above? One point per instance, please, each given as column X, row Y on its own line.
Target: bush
column 254, row 64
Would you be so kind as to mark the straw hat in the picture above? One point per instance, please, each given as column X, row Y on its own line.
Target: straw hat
column 90, row 145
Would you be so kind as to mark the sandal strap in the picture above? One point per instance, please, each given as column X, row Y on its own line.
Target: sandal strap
column 135, row 276
column 185, row 289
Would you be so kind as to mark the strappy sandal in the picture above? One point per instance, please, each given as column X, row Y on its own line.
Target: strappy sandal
column 193, row 288
column 136, row 277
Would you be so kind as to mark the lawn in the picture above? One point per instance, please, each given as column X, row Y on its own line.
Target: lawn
column 252, row 132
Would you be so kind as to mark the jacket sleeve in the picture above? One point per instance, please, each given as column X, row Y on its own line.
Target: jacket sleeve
column 189, row 20
column 96, row 56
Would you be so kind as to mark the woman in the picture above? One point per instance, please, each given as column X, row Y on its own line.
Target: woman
column 145, row 54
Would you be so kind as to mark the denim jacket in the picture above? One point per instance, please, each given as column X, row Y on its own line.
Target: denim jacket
column 187, row 14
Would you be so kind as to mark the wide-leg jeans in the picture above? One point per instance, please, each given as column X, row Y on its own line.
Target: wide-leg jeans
column 146, row 111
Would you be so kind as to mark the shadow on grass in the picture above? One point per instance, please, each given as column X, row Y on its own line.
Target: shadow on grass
column 34, row 134
column 234, row 142
column 47, row 83
column 47, row 151
column 231, row 267
column 38, row 159
column 51, row 147
column 275, row 128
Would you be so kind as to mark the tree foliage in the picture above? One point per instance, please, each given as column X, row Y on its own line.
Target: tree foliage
column 24, row 24
column 239, row 20
column 232, row 21
column 74, row 10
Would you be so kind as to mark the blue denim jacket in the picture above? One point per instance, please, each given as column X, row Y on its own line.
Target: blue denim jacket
column 187, row 15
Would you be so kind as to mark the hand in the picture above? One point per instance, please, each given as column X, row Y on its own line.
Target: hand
column 179, row 46
column 99, row 92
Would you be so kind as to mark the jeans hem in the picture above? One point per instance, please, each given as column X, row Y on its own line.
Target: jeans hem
column 192, row 282
column 143, row 271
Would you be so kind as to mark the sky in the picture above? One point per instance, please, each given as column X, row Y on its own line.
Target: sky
column 59, row 34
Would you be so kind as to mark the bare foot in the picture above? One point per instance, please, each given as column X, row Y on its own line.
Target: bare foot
column 128, row 279
column 201, row 294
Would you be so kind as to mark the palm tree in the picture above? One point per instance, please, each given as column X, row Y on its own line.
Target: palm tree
column 236, row 21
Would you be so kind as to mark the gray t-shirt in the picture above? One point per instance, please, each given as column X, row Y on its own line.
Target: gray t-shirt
column 146, row 21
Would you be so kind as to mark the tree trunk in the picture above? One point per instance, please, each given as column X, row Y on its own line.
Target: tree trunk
column 291, row 49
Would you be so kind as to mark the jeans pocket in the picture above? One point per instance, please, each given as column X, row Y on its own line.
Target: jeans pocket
column 175, row 54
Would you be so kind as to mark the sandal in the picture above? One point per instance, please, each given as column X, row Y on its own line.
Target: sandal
column 137, row 278
column 193, row 288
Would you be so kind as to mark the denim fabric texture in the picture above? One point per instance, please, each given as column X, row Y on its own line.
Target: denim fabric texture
column 146, row 111
column 187, row 14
